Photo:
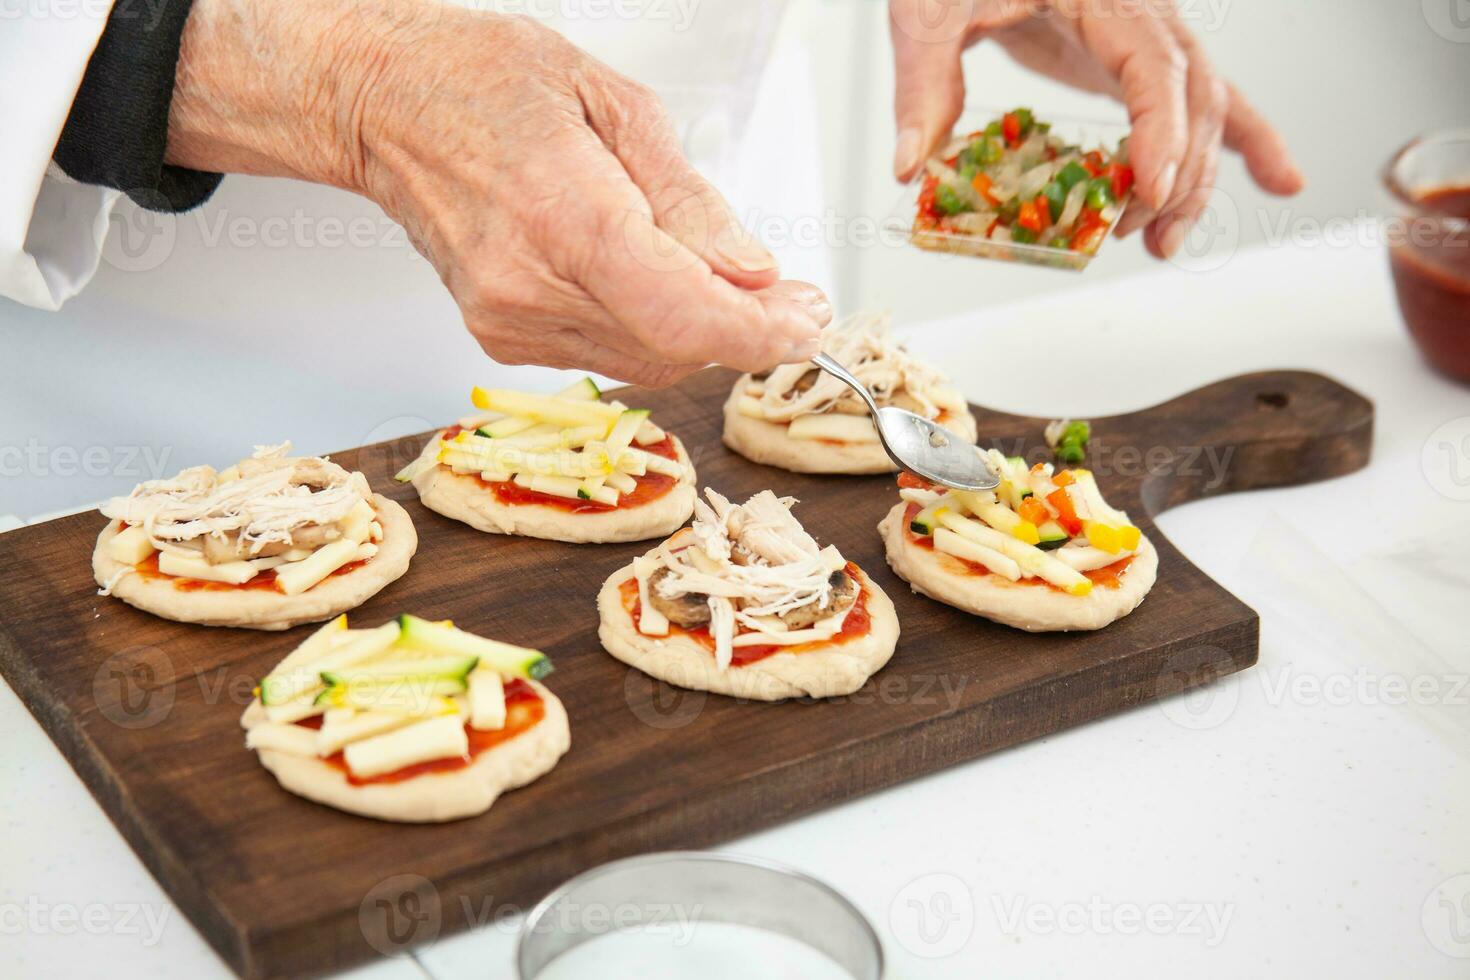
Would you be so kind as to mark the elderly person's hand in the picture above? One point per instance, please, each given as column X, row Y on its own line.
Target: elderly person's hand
column 1135, row 50
column 548, row 191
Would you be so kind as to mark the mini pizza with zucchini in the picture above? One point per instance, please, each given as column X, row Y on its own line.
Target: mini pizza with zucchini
column 1043, row 552
column 414, row 721
column 268, row 543
column 801, row 419
column 567, row 467
column 745, row 602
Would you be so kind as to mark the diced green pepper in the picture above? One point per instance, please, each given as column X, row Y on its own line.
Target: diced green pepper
column 968, row 169
column 1099, row 193
column 949, row 200
column 1071, row 452
column 1060, row 241
column 1009, row 211
column 1022, row 235
column 996, row 128
column 1072, row 174
column 1027, row 119
column 1072, row 446
column 1056, row 198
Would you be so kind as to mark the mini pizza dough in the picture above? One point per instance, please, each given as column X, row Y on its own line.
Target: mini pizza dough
column 464, row 497
column 841, row 669
column 265, row 609
column 768, row 443
column 1035, row 608
column 433, row 797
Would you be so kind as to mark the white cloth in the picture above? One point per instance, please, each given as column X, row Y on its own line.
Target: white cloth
column 51, row 228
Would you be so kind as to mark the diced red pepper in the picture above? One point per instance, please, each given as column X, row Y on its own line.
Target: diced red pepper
column 1043, row 211
column 1066, row 513
column 1090, row 235
column 1010, row 127
column 1093, row 161
column 1122, row 177
column 952, row 161
column 1029, row 217
column 912, row 482
column 926, row 196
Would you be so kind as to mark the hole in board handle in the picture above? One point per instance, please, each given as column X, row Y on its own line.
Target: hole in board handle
column 1269, row 401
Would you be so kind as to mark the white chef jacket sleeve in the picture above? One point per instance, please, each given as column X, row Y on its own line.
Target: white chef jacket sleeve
column 51, row 228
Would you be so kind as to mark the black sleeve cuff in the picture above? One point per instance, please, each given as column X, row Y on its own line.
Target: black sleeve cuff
column 117, row 130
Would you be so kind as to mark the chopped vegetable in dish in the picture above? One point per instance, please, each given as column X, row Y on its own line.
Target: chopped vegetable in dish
column 1068, row 439
column 1013, row 181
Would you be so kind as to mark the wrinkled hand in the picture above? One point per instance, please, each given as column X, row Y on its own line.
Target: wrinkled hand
column 1137, row 51
column 548, row 191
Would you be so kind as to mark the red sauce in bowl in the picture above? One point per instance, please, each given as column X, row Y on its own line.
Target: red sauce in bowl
column 1431, row 271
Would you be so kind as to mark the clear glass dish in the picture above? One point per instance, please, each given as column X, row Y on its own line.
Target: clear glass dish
column 1087, row 133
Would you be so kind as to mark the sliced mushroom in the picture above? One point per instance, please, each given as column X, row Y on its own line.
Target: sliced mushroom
column 689, row 611
column 219, row 548
column 843, row 594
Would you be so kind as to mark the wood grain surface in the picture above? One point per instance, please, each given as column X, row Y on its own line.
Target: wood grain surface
column 147, row 710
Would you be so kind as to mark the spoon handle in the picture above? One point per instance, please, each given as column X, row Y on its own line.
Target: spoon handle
column 825, row 362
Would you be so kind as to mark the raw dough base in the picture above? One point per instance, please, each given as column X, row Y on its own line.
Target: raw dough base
column 1035, row 608
column 463, row 498
column 683, row 662
column 264, row 609
column 767, row 442
column 432, row 798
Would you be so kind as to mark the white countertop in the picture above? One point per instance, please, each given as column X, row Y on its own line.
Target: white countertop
column 1305, row 817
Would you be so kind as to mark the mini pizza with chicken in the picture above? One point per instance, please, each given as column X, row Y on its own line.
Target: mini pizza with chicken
column 268, row 543
column 567, row 467
column 1043, row 552
column 414, row 721
column 745, row 602
column 801, row 419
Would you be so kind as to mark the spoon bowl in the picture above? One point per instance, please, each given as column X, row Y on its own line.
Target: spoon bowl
column 918, row 445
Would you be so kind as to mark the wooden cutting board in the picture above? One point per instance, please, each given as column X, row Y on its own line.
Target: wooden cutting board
column 147, row 710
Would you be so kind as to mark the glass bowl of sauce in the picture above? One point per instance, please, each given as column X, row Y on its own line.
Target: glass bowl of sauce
column 1429, row 246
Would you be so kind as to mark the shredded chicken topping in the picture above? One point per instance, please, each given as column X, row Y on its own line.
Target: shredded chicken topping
column 264, row 500
column 863, row 344
column 753, row 561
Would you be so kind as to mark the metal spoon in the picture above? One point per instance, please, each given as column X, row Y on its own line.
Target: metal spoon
column 918, row 445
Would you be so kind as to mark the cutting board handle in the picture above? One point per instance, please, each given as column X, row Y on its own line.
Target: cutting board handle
column 1269, row 429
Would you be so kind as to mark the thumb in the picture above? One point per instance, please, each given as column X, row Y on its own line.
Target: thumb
column 929, row 89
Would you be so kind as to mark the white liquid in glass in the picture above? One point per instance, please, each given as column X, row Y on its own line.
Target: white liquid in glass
column 706, row 951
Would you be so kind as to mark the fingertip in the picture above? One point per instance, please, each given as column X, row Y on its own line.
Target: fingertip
column 907, row 154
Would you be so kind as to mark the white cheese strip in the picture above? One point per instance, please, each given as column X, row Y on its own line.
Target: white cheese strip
column 424, row 741
column 750, row 407
column 651, row 622
column 648, row 434
column 182, row 566
column 1085, row 559
column 314, row 646
column 840, row 428
column 375, row 531
column 294, row 710
column 652, row 463
column 130, row 546
column 298, row 576
column 344, row 725
column 486, row 700
column 622, row 482
column 357, row 525
column 951, row 543
column 789, row 638
column 301, row 677
column 293, row 739
column 1032, row 560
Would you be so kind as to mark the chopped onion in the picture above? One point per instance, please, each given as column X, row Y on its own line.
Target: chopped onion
column 1076, row 197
